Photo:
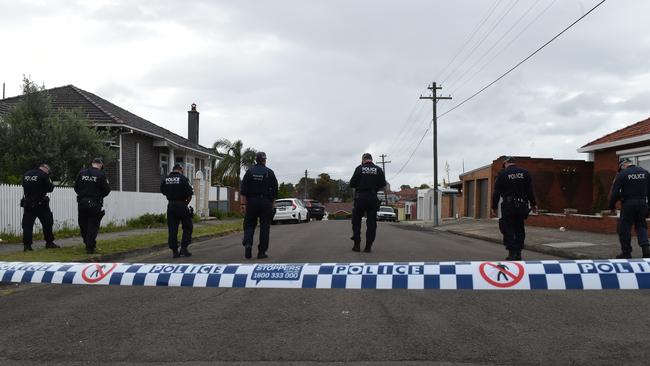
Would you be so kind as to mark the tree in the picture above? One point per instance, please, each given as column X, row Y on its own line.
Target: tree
column 34, row 131
column 343, row 190
column 300, row 187
column 404, row 186
column 286, row 190
column 324, row 188
column 232, row 157
column 424, row 186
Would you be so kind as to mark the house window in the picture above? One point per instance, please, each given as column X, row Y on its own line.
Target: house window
column 164, row 164
column 639, row 160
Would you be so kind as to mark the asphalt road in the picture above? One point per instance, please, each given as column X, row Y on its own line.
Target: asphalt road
column 68, row 325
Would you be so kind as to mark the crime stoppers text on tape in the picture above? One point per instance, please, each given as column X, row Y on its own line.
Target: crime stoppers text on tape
column 619, row 274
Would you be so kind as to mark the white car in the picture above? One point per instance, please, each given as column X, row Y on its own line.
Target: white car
column 290, row 210
column 386, row 213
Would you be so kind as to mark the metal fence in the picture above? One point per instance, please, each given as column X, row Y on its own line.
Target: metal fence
column 119, row 206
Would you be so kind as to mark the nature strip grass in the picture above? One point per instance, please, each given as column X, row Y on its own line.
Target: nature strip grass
column 114, row 246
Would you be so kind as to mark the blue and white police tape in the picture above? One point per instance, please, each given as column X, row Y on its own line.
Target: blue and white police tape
column 522, row 275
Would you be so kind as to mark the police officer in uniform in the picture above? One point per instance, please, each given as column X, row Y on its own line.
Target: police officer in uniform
column 176, row 187
column 36, row 185
column 367, row 179
column 514, row 185
column 91, row 187
column 259, row 187
column 632, row 187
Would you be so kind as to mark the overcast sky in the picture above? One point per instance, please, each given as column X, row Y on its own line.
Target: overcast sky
column 315, row 84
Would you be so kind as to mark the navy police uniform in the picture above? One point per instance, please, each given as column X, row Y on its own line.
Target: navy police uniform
column 514, row 185
column 632, row 187
column 176, row 187
column 260, row 187
column 367, row 179
column 91, row 187
column 36, row 185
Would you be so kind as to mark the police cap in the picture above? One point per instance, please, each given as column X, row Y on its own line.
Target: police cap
column 98, row 161
column 624, row 161
column 366, row 156
column 508, row 159
column 177, row 167
column 260, row 156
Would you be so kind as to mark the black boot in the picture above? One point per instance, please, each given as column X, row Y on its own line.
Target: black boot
column 248, row 251
column 518, row 255
column 646, row 251
column 368, row 248
column 357, row 246
column 184, row 252
column 262, row 255
column 175, row 253
column 27, row 248
column 51, row 246
column 512, row 255
column 90, row 250
column 624, row 255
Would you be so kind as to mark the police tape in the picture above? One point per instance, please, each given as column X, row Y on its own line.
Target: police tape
column 620, row 274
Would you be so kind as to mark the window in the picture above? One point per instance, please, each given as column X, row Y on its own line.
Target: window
column 164, row 164
column 641, row 159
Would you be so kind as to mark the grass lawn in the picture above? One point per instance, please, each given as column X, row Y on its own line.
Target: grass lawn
column 114, row 246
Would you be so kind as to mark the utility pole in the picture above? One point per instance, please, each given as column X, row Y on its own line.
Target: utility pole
column 305, row 193
column 434, row 98
column 383, row 166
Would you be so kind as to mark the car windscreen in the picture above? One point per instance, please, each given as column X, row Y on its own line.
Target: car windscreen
column 386, row 209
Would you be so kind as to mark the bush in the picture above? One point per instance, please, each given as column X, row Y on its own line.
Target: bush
column 147, row 220
column 216, row 214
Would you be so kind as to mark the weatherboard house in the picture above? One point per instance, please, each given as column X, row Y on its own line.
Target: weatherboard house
column 146, row 152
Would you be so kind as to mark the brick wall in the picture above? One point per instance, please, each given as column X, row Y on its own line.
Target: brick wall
column 596, row 224
column 149, row 163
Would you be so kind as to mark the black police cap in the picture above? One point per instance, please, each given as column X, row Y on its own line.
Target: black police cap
column 177, row 167
column 260, row 155
column 366, row 156
column 98, row 161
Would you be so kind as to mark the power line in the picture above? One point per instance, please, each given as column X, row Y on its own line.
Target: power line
column 522, row 61
column 494, row 82
column 469, row 38
column 495, row 44
column 507, row 45
column 480, row 42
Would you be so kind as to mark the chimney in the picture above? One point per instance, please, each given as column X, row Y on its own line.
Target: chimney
column 193, row 124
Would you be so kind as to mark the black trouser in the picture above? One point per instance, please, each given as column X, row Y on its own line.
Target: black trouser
column 368, row 204
column 44, row 215
column 258, row 208
column 89, row 220
column 178, row 212
column 633, row 212
column 511, row 225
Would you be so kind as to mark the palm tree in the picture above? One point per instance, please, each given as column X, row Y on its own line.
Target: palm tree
column 231, row 158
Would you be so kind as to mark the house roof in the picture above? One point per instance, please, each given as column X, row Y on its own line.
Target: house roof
column 104, row 113
column 636, row 132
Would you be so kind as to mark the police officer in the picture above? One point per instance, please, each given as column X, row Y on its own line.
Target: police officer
column 514, row 185
column 36, row 185
column 259, row 187
column 367, row 179
column 632, row 187
column 176, row 187
column 91, row 187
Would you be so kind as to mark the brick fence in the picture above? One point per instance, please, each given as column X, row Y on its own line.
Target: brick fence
column 595, row 224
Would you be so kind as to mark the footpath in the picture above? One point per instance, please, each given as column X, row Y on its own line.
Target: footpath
column 76, row 241
column 568, row 244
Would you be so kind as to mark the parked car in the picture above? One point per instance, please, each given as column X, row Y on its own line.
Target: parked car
column 315, row 208
column 290, row 210
column 386, row 213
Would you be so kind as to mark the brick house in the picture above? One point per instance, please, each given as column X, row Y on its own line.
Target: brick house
column 558, row 184
column 146, row 152
column 631, row 142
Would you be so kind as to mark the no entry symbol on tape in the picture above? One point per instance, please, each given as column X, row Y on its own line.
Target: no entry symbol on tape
column 96, row 272
column 502, row 274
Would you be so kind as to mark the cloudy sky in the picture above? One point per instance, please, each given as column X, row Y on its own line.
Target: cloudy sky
column 317, row 83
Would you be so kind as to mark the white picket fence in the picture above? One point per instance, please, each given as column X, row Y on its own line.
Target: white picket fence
column 119, row 206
